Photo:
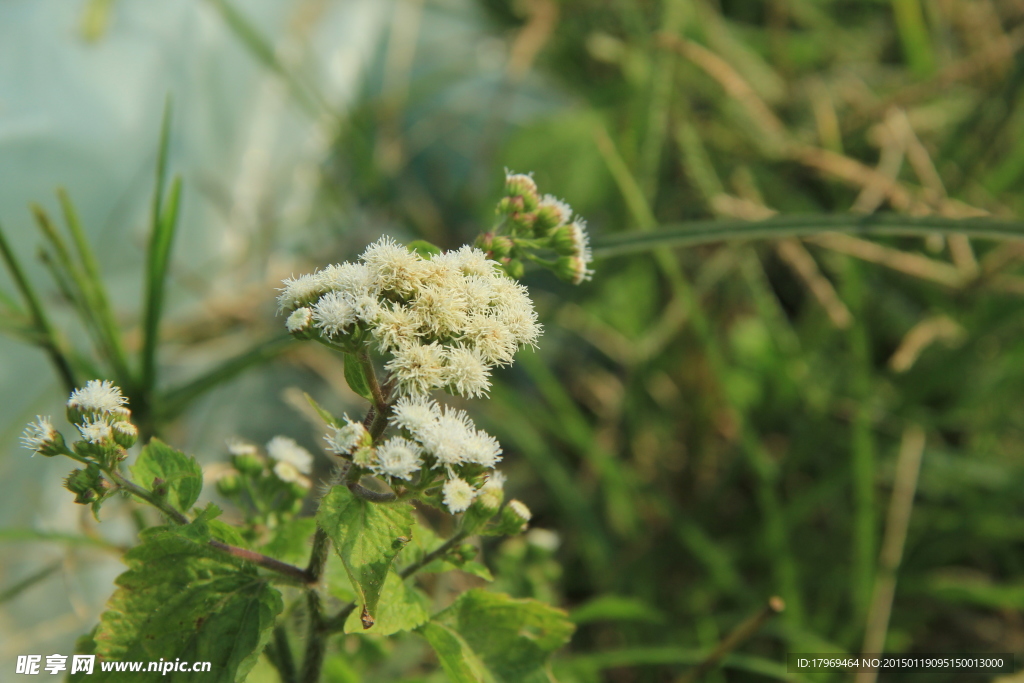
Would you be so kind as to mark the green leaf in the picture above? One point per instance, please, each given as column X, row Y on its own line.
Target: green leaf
column 402, row 608
column 356, row 377
column 367, row 537
column 423, row 248
column 494, row 638
column 290, row 542
column 180, row 474
column 324, row 415
column 182, row 599
column 616, row 608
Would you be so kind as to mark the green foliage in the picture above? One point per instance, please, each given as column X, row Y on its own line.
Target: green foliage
column 490, row 637
column 355, row 376
column 181, row 598
column 403, row 607
column 367, row 537
column 169, row 473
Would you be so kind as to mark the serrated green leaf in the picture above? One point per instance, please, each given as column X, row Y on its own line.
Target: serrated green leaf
column 180, row 598
column 290, row 541
column 324, row 415
column 493, row 638
column 181, row 474
column 424, row 248
column 356, row 378
column 367, row 537
column 402, row 608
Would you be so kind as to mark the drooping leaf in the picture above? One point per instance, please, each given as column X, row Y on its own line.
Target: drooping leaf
column 492, row 637
column 179, row 474
column 180, row 598
column 324, row 415
column 402, row 608
column 367, row 536
column 356, row 377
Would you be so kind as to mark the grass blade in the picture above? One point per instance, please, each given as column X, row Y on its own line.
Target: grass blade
column 20, row 587
column 39, row 318
column 158, row 258
column 702, row 232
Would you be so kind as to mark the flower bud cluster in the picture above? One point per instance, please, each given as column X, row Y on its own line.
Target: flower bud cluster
column 269, row 484
column 538, row 224
column 444, row 321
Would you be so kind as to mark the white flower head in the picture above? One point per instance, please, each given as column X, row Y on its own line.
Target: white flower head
column 394, row 267
column 334, row 313
column 496, row 481
column 473, row 261
column 492, row 338
column 299, row 320
column 482, row 448
column 449, row 438
column 237, row 446
column 417, row 368
column 466, row 372
column 343, row 440
column 439, row 312
column 417, row 414
column 97, row 396
column 285, row 449
column 97, row 431
column 299, row 291
column 580, row 240
column 40, row 436
column 351, row 279
column 289, row 473
column 457, row 494
column 398, row 458
column 395, row 326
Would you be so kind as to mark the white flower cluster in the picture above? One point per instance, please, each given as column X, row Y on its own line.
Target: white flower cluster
column 439, row 438
column 291, row 461
column 99, row 410
column 446, row 320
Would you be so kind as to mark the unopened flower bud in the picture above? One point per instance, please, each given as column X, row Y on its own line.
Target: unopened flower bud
column 573, row 268
column 125, row 434
column 514, row 268
column 85, row 484
column 551, row 213
column 248, row 463
column 228, row 485
column 300, row 323
column 521, row 185
column 509, row 205
column 364, row 456
column 514, row 517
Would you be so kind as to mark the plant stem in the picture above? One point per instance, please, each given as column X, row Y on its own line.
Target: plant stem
column 288, row 570
column 738, row 636
column 316, row 644
column 440, row 551
column 380, row 401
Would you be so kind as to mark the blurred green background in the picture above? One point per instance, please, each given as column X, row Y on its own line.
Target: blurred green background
column 835, row 421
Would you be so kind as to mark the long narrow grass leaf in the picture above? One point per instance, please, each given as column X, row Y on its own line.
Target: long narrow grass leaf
column 156, row 279
column 8, row 594
column 702, row 232
column 39, row 317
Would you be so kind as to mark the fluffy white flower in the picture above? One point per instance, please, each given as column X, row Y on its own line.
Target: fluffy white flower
column 440, row 312
column 466, row 372
column 237, row 446
column 351, row 279
column 288, row 472
column 394, row 267
column 395, row 326
column 97, row 396
column 417, row 414
column 490, row 336
column 39, row 435
column 299, row 320
column 299, row 291
column 398, row 458
column 96, row 431
column 284, row 449
column 333, row 313
column 561, row 211
column 343, row 440
column 472, row 261
column 458, row 495
column 417, row 368
column 478, row 292
column 482, row 448
column 449, row 437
